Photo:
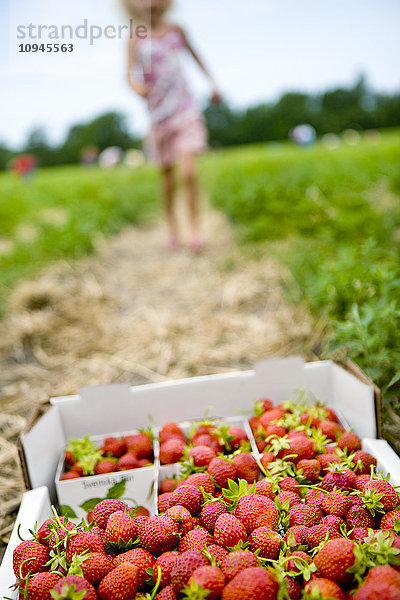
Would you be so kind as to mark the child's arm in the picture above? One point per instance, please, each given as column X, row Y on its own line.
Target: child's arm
column 137, row 85
column 216, row 96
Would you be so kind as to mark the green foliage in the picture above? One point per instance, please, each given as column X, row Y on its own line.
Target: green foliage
column 64, row 211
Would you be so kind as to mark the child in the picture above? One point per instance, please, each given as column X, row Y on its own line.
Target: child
column 177, row 132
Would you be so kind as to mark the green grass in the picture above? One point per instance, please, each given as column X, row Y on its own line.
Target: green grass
column 61, row 213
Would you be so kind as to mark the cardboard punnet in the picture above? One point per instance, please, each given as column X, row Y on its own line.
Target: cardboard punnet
column 118, row 407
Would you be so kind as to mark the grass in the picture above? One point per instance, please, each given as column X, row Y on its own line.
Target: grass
column 61, row 213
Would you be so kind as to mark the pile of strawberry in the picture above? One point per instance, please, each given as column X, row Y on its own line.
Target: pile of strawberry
column 309, row 519
column 83, row 457
column 218, row 436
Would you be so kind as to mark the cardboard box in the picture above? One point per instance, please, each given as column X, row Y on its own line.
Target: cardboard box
column 120, row 406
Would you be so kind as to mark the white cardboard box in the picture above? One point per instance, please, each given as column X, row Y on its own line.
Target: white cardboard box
column 119, row 407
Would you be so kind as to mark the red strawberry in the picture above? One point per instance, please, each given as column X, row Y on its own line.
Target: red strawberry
column 140, row 445
column 236, row 561
column 254, row 583
column 217, row 553
column 140, row 558
column 332, row 521
column 326, row 588
column 39, row 585
column 170, row 429
column 229, row 531
column 318, row 533
column 69, row 475
column 172, row 451
column 390, row 498
column 358, row 516
column 114, row 447
column 128, row 461
column 330, row 429
column 289, row 484
column 361, row 481
column 338, row 479
column 266, row 541
column 310, row 469
column 326, row 460
column 83, row 541
column 105, row 466
column 363, row 462
column 29, row 557
column 195, row 539
column 120, row 584
column 246, row 467
column 164, row 563
column 104, row 509
column 297, row 566
column 256, row 511
column 314, row 497
column 58, row 535
column 166, row 594
column 44, row 532
column 288, row 497
column 182, row 517
column 267, row 458
column 274, row 429
column 212, row 441
column 334, row 560
column 383, row 573
column 139, row 523
column 95, row 567
column 349, row 441
column 293, row 588
column 302, row 447
column 202, row 455
column 305, row 514
column 359, row 534
column 221, row 471
column 210, row 513
column 274, row 414
column 168, row 485
column 296, row 535
column 159, row 534
column 336, row 503
column 201, row 480
column 188, row 496
column 163, row 502
column 183, row 568
column 66, row 586
column 120, row 528
column 389, row 520
column 265, row 488
column 238, row 435
column 210, row 579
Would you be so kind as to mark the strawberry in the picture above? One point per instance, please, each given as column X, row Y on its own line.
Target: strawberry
column 336, row 503
column 120, row 528
column 296, row 535
column 221, row 471
column 265, row 488
column 293, row 588
column 359, row 534
column 236, row 561
column 256, row 511
column 183, row 568
column 95, row 567
column 188, row 496
column 164, row 563
column 84, row 541
column 310, row 469
column 212, row 441
column 168, row 485
column 166, row 593
column 289, row 484
column 332, row 521
column 378, row 590
column 114, row 446
column 246, row 467
column 363, row 462
column 326, row 588
column 305, row 514
column 337, row 478
column 29, row 557
column 210, row 579
column 69, row 475
column 266, row 541
column 139, row 524
column 104, row 509
column 330, row 428
column 169, row 430
column 389, row 519
column 159, row 534
column 326, row 460
column 349, row 441
column 140, row 445
column 383, row 573
column 229, row 531
column 163, row 502
column 195, row 539
column 210, row 513
column 288, row 497
column 39, row 585
column 254, row 583
column 274, row 429
column 297, row 566
column 128, row 461
column 302, row 447
column 216, row 554
column 182, row 518
column 58, row 535
column 120, row 584
column 267, row 458
column 389, row 499
column 201, row 480
column 238, row 435
column 334, row 560
column 273, row 414
column 358, row 516
column 105, row 466
column 172, row 451
column 201, row 455
column 314, row 497
column 332, row 416
column 140, row 558
column 318, row 533
column 264, row 404
column 44, row 532
column 72, row 584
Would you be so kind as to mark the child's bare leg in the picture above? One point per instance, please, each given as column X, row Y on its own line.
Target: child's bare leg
column 168, row 185
column 192, row 189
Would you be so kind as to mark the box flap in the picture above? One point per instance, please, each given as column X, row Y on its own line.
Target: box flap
column 278, row 378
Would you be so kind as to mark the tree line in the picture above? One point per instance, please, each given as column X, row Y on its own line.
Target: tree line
column 333, row 111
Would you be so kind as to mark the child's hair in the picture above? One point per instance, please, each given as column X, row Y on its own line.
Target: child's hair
column 134, row 11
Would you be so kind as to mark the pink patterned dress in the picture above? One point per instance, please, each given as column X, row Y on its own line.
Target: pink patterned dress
column 177, row 125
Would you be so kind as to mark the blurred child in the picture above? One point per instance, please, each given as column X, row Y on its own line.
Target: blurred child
column 177, row 131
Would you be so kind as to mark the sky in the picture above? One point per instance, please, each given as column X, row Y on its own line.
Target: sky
column 256, row 50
